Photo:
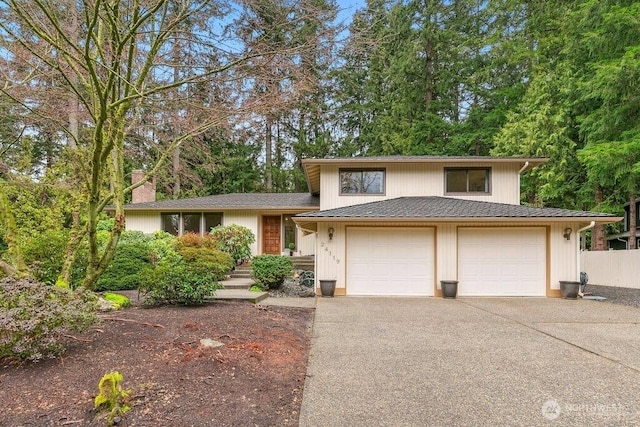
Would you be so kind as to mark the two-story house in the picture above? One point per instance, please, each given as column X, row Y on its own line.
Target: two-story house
column 620, row 241
column 398, row 225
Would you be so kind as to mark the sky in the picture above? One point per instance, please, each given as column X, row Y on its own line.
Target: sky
column 346, row 9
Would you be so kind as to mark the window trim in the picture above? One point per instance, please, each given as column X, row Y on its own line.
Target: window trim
column 467, row 169
column 384, row 181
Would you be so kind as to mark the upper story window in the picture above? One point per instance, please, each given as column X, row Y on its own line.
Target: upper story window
column 362, row 181
column 467, row 180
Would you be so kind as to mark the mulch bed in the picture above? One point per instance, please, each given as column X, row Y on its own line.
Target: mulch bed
column 255, row 379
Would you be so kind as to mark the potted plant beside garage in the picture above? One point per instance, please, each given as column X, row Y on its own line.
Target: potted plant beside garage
column 327, row 288
column 449, row 288
column 569, row 289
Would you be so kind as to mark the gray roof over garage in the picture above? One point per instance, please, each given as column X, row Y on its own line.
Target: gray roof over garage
column 240, row 201
column 413, row 208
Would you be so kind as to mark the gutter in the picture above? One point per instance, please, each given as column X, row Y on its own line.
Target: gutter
column 579, row 232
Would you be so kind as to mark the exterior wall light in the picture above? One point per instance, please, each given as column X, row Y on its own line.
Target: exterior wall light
column 567, row 233
column 331, row 231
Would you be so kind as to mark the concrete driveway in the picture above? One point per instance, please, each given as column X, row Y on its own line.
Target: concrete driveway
column 508, row 361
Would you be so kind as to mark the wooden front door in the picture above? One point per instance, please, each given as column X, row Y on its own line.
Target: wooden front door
column 271, row 235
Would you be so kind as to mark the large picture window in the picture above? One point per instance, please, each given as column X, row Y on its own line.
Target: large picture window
column 362, row 181
column 212, row 220
column 190, row 222
column 474, row 180
column 170, row 223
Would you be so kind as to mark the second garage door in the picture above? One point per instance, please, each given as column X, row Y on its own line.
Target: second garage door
column 390, row 261
column 502, row 261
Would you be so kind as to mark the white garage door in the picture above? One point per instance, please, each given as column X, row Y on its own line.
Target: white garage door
column 390, row 261
column 502, row 261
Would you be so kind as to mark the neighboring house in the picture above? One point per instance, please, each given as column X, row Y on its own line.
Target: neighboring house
column 398, row 225
column 621, row 240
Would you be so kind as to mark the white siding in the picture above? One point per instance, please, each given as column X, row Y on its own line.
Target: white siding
column 419, row 179
column 446, row 253
column 306, row 244
column 564, row 254
column 147, row 222
column 330, row 254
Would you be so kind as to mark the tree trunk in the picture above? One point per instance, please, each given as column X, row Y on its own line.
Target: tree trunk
column 598, row 242
column 75, row 238
column 11, row 237
column 268, row 154
column 176, row 172
column 633, row 215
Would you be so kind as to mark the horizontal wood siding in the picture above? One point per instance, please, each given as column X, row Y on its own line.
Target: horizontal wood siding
column 416, row 179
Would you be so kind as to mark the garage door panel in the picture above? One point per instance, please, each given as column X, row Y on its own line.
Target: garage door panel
column 502, row 261
column 390, row 261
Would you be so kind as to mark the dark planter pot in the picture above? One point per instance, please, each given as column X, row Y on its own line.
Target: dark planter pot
column 327, row 287
column 449, row 288
column 569, row 289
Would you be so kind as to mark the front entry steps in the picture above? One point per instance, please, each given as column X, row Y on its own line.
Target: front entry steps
column 240, row 295
column 237, row 289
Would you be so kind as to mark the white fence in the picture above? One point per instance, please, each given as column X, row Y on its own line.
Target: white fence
column 612, row 268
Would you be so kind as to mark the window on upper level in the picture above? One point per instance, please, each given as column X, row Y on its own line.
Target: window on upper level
column 362, row 181
column 467, row 180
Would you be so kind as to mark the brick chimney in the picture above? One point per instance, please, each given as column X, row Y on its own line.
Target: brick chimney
column 146, row 192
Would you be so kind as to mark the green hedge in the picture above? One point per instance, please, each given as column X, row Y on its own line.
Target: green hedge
column 131, row 258
column 270, row 271
column 206, row 261
column 176, row 284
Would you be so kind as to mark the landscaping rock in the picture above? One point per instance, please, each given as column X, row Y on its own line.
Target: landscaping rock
column 209, row 343
column 291, row 288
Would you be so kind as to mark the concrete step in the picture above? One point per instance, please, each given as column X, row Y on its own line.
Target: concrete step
column 238, row 283
column 240, row 295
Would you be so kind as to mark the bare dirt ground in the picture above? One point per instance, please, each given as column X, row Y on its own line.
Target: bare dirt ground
column 255, row 379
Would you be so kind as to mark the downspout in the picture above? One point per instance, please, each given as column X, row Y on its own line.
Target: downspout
column 579, row 233
column 522, row 169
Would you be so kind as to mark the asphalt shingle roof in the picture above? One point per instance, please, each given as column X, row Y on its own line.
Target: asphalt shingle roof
column 234, row 201
column 445, row 207
column 425, row 158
